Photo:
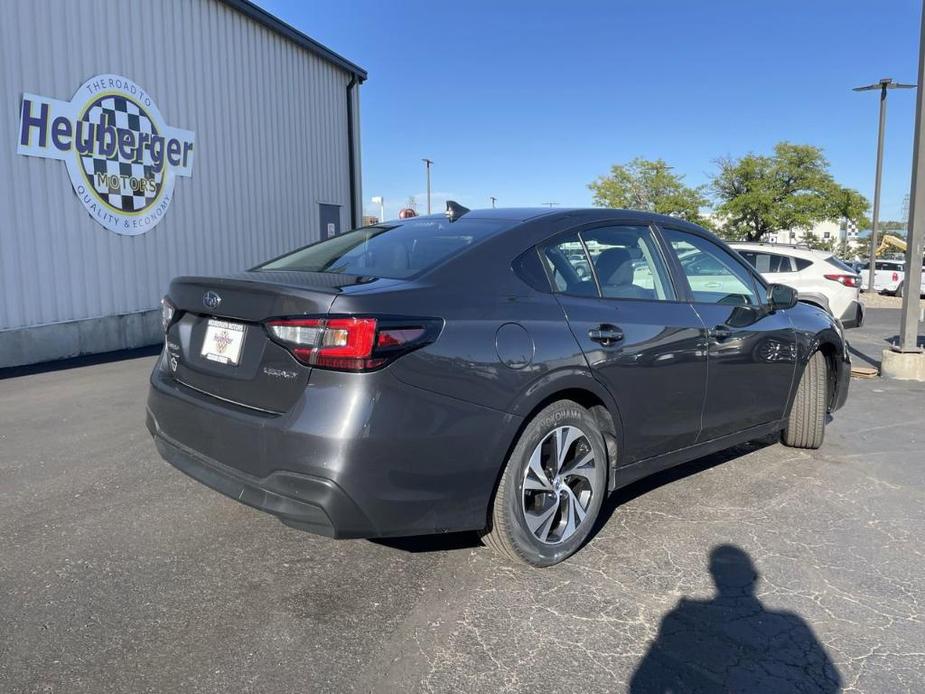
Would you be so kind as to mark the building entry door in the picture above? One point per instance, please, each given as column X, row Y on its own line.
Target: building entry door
column 330, row 220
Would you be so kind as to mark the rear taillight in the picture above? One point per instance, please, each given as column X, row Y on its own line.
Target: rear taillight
column 349, row 343
column 896, row 277
column 847, row 280
column 168, row 311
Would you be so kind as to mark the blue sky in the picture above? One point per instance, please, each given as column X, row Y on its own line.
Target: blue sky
column 530, row 101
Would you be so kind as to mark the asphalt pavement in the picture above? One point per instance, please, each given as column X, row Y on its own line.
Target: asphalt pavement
column 761, row 568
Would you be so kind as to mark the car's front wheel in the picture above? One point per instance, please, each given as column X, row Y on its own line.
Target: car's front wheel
column 552, row 487
column 806, row 422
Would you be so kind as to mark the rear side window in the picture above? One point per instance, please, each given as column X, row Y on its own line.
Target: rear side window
column 714, row 275
column 835, row 262
column 568, row 266
column 890, row 267
column 767, row 262
column 623, row 262
column 802, row 263
column 627, row 263
column 395, row 252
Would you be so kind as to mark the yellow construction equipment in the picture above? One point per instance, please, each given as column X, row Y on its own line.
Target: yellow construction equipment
column 890, row 242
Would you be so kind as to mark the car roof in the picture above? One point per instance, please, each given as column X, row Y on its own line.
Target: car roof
column 781, row 249
column 578, row 214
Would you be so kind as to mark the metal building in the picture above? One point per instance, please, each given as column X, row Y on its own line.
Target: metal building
column 146, row 140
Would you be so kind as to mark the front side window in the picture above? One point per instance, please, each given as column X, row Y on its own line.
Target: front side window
column 714, row 275
column 627, row 263
column 395, row 252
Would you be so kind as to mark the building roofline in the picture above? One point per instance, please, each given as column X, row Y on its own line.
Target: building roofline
column 278, row 26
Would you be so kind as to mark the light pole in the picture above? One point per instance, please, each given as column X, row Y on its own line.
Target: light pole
column 884, row 86
column 493, row 199
column 915, row 236
column 379, row 200
column 427, row 163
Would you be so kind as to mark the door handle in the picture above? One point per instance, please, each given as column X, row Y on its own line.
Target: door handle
column 721, row 332
column 606, row 334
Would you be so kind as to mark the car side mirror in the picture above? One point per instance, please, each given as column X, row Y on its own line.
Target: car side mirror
column 780, row 296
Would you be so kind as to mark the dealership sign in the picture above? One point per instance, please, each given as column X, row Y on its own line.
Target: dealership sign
column 121, row 155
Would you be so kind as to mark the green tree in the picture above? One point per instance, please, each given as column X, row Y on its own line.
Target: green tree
column 891, row 225
column 792, row 189
column 649, row 185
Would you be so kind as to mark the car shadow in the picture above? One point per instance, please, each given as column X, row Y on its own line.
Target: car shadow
column 445, row 542
column 679, row 472
column 895, row 340
column 864, row 357
column 468, row 540
column 732, row 642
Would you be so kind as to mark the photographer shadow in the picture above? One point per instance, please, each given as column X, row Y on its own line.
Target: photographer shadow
column 732, row 643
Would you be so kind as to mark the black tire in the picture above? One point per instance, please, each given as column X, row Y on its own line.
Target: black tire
column 806, row 421
column 509, row 533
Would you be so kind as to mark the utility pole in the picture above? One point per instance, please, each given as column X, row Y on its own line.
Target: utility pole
column 427, row 163
column 493, row 199
column 379, row 200
column 911, row 311
column 884, row 86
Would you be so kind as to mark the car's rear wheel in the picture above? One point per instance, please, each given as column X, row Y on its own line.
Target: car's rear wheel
column 552, row 487
column 806, row 422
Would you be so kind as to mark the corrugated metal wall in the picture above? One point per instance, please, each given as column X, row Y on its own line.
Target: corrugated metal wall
column 271, row 143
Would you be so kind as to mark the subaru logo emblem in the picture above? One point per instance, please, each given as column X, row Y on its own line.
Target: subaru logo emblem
column 211, row 300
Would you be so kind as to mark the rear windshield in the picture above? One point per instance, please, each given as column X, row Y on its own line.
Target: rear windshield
column 841, row 265
column 394, row 252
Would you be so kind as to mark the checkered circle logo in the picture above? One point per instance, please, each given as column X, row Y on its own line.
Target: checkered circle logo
column 121, row 156
column 130, row 186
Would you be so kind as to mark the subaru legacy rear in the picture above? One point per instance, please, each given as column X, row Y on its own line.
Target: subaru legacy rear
column 274, row 386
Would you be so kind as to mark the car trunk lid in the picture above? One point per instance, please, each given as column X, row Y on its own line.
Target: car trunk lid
column 218, row 343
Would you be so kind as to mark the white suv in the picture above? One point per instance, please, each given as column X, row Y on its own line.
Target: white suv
column 818, row 276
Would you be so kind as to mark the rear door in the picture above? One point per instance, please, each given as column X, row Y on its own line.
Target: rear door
column 642, row 343
column 751, row 350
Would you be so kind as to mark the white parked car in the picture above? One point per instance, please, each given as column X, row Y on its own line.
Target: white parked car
column 818, row 276
column 889, row 277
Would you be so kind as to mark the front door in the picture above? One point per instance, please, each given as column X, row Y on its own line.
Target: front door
column 330, row 220
column 644, row 345
column 752, row 350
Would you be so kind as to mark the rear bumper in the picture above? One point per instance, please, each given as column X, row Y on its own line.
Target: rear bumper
column 360, row 455
column 853, row 316
column 309, row 503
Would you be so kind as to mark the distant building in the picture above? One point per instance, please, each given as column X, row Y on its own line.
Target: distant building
column 369, row 220
column 836, row 232
column 141, row 141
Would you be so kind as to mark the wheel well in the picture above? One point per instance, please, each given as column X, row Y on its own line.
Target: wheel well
column 589, row 401
column 828, row 351
column 595, row 405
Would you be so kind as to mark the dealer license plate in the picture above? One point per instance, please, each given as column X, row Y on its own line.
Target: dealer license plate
column 223, row 342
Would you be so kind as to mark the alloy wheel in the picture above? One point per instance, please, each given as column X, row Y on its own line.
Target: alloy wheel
column 559, row 484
